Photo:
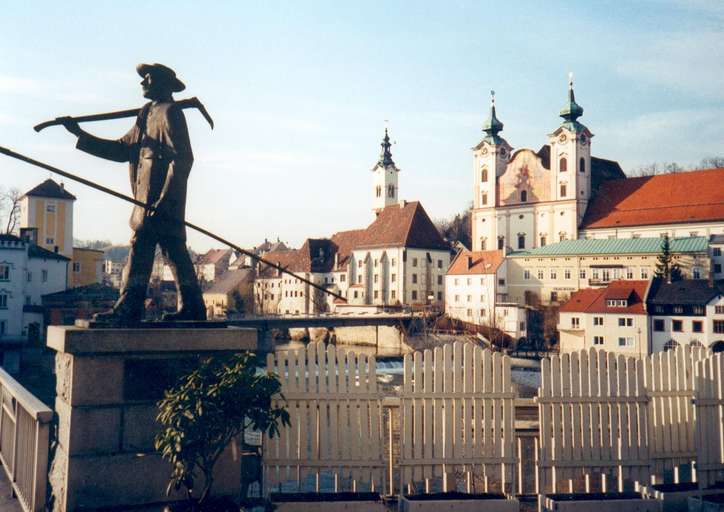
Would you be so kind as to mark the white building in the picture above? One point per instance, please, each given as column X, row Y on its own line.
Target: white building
column 687, row 312
column 27, row 272
column 384, row 178
column 612, row 318
column 527, row 199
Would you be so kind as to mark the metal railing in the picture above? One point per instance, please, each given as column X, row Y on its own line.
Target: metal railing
column 24, row 442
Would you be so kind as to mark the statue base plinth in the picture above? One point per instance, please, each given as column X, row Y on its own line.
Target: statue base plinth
column 108, row 383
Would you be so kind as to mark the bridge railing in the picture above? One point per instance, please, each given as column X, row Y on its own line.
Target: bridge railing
column 24, row 442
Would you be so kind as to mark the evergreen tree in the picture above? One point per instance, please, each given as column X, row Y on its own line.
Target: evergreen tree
column 666, row 269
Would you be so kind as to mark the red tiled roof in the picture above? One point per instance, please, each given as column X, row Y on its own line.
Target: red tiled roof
column 281, row 258
column 696, row 196
column 403, row 225
column 346, row 241
column 214, row 256
column 593, row 300
column 476, row 262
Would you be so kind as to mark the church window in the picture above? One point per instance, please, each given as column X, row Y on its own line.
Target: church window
column 484, row 198
column 414, row 278
column 378, row 191
column 562, row 236
column 563, row 190
column 482, row 244
column 501, row 243
column 563, row 165
column 414, row 294
column 523, row 196
column 390, row 191
column 521, row 241
column 542, row 241
column 484, row 175
column 582, row 165
column 393, row 278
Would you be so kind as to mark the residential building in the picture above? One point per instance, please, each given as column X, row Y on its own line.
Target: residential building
column 612, row 318
column 231, row 294
column 212, row 264
column 239, row 260
column 49, row 208
column 27, row 272
column 687, row 312
column 86, row 267
column 550, row 274
column 716, row 253
column 112, row 271
column 80, row 302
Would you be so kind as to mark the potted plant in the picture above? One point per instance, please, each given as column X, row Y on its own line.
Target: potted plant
column 206, row 410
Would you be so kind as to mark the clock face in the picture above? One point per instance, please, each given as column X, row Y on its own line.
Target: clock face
column 562, row 138
column 484, row 151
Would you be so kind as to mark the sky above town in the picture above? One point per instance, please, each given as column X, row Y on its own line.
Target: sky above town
column 301, row 93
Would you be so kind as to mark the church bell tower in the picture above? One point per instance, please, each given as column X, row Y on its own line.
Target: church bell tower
column 384, row 178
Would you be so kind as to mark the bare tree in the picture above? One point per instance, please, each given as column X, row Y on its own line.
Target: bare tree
column 655, row 168
column 9, row 209
column 711, row 162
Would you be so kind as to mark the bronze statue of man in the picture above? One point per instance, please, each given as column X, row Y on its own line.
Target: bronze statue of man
column 159, row 153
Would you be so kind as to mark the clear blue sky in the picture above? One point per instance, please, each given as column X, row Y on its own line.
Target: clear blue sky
column 300, row 91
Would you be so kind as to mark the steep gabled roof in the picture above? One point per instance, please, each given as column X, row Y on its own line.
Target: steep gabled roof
column 50, row 188
column 593, row 300
column 403, row 225
column 214, row 256
column 696, row 292
column 229, row 280
column 476, row 262
column 346, row 241
column 696, row 196
column 282, row 258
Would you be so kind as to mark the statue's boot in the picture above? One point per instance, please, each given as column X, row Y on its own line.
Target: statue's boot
column 192, row 306
column 128, row 310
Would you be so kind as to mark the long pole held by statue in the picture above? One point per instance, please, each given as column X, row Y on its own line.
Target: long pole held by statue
column 70, row 176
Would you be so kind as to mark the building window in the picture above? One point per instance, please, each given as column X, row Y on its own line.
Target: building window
column 3, row 301
column 644, row 273
column 598, row 340
column 716, row 251
column 456, row 281
column 469, row 312
column 563, row 165
column 540, row 273
column 542, row 241
column 718, row 326
column 629, row 273
column 439, row 263
column 76, row 266
column 482, row 244
column 696, row 273
column 575, row 322
column 597, row 320
column 378, row 191
column 377, row 294
column 390, row 191
column 625, row 322
column 439, row 295
column 439, row 279
column 484, row 198
column 457, row 298
column 679, row 310
column 359, row 279
column 567, row 273
column 414, row 262
column 375, row 278
column 468, row 281
column 554, row 274
column 30, row 276
column 582, row 273
column 554, row 296
column 393, row 294
column 677, row 325
column 717, row 268
column 356, row 294
column 50, row 207
column 670, row 345
column 626, row 341
column 582, row 165
column 49, row 241
column 501, row 243
column 521, row 241
column 359, row 264
column 44, row 276
column 719, row 310
column 393, row 262
column 414, row 278
column 5, row 273
column 564, row 190
column 561, row 236
column 414, row 294
column 523, row 196
column 698, row 310
column 470, row 298
column 342, row 278
column 697, row 326
column 501, row 282
column 484, row 175
column 526, row 274
column 659, row 325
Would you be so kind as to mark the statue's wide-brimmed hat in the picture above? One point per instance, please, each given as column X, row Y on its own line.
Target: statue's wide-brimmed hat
column 164, row 72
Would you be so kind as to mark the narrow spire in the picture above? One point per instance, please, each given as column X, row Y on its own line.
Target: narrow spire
column 385, row 153
column 492, row 126
column 571, row 111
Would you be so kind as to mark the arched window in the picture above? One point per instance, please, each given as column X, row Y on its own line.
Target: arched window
column 521, row 241
column 390, row 191
column 483, row 243
column 484, row 175
column 670, row 345
column 582, row 165
column 501, row 243
column 378, row 190
column 564, row 190
column 523, row 196
column 563, row 165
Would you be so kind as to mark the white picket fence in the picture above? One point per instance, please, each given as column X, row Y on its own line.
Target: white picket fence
column 669, row 381
column 605, row 421
column 710, row 420
column 457, row 418
column 336, row 421
column 593, row 417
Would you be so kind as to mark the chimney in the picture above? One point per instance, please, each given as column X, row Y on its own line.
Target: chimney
column 62, row 185
column 29, row 235
column 402, row 203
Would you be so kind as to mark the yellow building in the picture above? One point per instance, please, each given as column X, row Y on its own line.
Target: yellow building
column 87, row 267
column 49, row 209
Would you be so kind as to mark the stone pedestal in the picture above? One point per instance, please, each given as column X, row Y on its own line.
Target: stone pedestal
column 108, row 384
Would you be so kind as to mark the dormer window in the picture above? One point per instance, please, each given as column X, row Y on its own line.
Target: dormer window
column 617, row 303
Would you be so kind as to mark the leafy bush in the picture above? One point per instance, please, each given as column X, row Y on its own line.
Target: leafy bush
column 206, row 410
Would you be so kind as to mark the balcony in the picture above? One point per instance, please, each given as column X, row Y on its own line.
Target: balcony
column 598, row 282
